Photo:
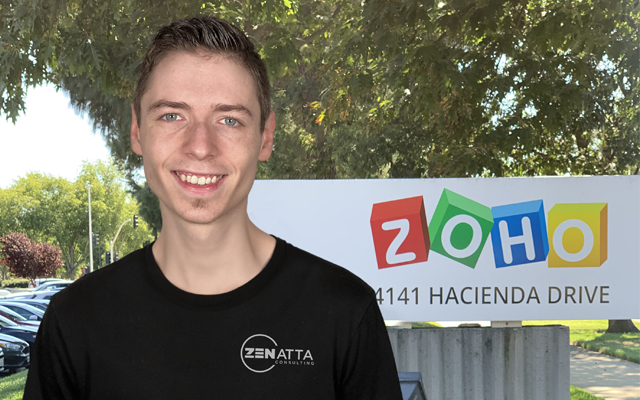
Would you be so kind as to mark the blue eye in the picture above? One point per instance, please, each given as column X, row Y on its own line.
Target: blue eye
column 230, row 121
column 170, row 117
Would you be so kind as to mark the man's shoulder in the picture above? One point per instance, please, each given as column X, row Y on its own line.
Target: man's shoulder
column 328, row 278
column 103, row 283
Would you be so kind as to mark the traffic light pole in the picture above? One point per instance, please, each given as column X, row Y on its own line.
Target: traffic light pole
column 113, row 242
column 90, row 232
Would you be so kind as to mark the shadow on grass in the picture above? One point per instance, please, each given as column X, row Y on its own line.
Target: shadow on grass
column 621, row 345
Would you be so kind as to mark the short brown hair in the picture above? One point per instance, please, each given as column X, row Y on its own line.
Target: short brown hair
column 211, row 34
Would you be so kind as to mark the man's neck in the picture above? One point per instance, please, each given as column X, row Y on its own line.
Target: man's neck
column 214, row 258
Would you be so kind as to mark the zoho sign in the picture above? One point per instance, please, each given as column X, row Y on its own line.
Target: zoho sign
column 571, row 235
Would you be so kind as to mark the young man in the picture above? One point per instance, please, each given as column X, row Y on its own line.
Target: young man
column 215, row 308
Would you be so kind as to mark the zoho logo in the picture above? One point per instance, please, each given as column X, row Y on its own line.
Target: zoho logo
column 460, row 227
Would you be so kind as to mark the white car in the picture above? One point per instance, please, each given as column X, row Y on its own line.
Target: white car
column 26, row 311
column 54, row 285
column 39, row 304
column 46, row 289
column 40, row 281
column 44, row 295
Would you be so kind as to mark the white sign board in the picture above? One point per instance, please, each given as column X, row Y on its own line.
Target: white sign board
column 471, row 249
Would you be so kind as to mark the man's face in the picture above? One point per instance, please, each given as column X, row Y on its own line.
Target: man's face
column 200, row 137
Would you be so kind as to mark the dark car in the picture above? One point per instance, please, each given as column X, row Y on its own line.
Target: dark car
column 26, row 333
column 16, row 353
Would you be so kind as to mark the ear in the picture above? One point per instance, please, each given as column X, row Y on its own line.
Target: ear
column 135, row 133
column 267, row 137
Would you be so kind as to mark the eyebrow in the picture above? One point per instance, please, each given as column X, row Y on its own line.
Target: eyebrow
column 232, row 107
column 169, row 104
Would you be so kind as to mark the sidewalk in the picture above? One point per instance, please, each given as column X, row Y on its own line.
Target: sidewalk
column 605, row 376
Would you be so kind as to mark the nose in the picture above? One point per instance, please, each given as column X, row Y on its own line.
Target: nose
column 200, row 141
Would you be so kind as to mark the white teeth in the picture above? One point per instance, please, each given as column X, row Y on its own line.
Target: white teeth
column 200, row 181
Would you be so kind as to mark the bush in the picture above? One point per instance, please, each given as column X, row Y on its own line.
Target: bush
column 16, row 283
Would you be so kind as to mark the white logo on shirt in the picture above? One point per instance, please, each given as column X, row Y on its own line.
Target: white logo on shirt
column 260, row 353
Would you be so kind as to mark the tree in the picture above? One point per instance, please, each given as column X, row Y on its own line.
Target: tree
column 621, row 326
column 492, row 88
column 27, row 259
column 3, row 265
column 149, row 206
column 53, row 209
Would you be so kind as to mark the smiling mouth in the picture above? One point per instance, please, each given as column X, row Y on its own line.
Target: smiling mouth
column 198, row 180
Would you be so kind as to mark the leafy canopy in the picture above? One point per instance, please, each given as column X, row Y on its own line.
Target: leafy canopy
column 381, row 88
column 27, row 259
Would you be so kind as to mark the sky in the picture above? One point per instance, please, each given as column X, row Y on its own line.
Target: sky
column 49, row 138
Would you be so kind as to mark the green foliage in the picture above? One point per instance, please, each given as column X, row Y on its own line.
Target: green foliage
column 53, row 209
column 580, row 394
column 15, row 283
column 591, row 335
column 149, row 205
column 497, row 88
column 621, row 345
column 416, row 325
column 12, row 387
column 375, row 89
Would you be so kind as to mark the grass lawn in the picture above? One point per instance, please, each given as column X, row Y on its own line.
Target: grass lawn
column 12, row 386
column 425, row 325
column 591, row 335
column 579, row 394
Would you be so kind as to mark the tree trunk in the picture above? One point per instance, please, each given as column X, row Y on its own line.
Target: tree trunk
column 70, row 263
column 621, row 326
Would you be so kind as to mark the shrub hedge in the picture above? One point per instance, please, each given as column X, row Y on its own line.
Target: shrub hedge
column 16, row 283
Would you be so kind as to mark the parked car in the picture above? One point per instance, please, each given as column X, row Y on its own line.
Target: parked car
column 45, row 295
column 39, row 304
column 31, row 313
column 17, row 318
column 26, row 333
column 40, row 281
column 55, row 285
column 17, row 353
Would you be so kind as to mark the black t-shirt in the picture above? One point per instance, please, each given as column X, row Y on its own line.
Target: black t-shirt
column 302, row 328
